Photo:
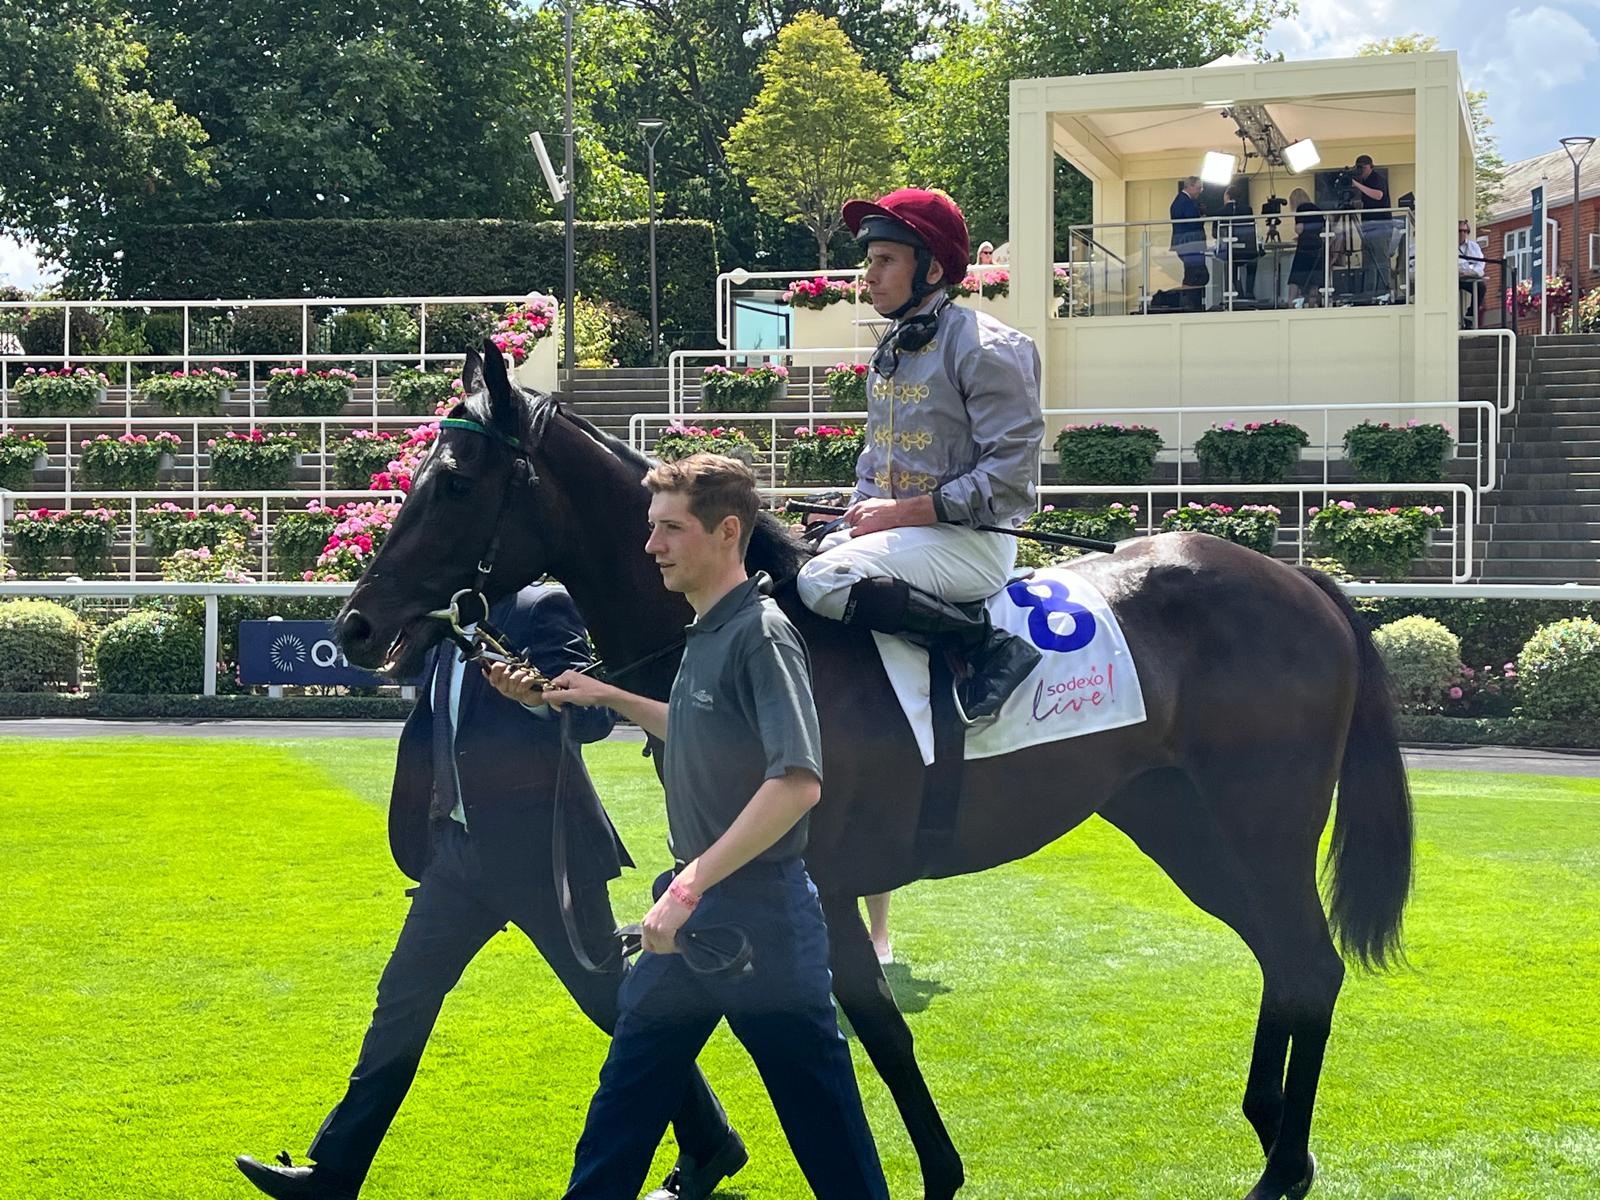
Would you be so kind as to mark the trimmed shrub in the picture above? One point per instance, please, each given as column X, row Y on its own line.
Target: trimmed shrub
column 148, row 652
column 163, row 332
column 354, row 332
column 419, row 393
column 1491, row 631
column 1107, row 453
column 1254, row 526
column 275, row 330
column 1256, row 452
column 1409, row 453
column 1559, row 672
column 39, row 646
column 1423, row 658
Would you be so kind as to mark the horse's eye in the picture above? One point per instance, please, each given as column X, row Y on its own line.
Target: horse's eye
column 458, row 486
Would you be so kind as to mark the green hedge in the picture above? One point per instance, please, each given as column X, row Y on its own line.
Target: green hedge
column 39, row 645
column 1491, row 631
column 1498, row 731
column 149, row 651
column 180, row 708
column 428, row 258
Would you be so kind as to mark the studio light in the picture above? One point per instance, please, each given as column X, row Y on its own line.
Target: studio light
column 1301, row 156
column 1218, row 168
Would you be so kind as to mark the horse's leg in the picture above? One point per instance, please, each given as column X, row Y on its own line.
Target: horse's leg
column 1260, row 882
column 864, row 995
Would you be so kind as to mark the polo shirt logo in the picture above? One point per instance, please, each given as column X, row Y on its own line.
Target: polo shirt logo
column 702, row 699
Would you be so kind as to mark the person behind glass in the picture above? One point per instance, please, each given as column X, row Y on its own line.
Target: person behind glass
column 470, row 819
column 1189, row 243
column 1308, row 271
column 985, row 253
column 1372, row 190
column 1236, row 243
column 1470, row 266
column 742, row 767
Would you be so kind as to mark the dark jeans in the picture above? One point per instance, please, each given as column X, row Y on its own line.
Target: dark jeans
column 781, row 1012
column 455, row 910
column 1196, row 279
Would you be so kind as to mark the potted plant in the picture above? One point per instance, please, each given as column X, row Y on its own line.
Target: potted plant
column 1411, row 453
column 680, row 441
column 69, row 392
column 253, row 460
column 1373, row 542
column 88, row 535
column 1254, row 452
column 1254, row 526
column 200, row 392
column 362, row 455
column 298, row 392
column 750, row 390
column 847, row 385
column 170, row 527
column 355, row 539
column 1107, row 452
column 21, row 453
column 37, row 540
column 131, row 462
column 1111, row 523
column 525, row 333
column 826, row 454
column 824, row 312
column 299, row 538
column 420, row 393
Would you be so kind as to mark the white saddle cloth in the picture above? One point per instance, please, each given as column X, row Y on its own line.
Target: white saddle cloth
column 1085, row 682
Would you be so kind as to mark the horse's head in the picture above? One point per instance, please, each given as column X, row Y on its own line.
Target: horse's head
column 477, row 516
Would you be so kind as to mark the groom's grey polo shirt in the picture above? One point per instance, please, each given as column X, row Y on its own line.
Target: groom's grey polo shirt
column 741, row 712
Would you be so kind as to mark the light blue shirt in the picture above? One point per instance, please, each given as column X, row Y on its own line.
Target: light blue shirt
column 458, row 667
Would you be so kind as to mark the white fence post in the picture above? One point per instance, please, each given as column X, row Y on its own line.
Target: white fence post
column 211, row 646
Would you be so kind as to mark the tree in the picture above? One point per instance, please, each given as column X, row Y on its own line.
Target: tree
column 1488, row 167
column 822, row 130
column 83, row 132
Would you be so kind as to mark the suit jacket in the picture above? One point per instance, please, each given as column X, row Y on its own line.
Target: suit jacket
column 506, row 759
column 1184, row 206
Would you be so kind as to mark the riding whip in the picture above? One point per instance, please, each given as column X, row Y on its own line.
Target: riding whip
column 1033, row 535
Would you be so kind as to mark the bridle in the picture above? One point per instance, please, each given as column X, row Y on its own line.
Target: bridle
column 711, row 951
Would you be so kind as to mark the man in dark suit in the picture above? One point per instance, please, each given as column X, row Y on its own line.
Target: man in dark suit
column 470, row 819
column 1189, row 242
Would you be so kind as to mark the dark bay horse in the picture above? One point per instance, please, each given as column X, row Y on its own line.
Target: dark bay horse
column 1262, row 687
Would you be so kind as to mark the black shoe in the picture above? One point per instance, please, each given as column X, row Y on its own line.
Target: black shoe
column 284, row 1181
column 998, row 668
column 689, row 1180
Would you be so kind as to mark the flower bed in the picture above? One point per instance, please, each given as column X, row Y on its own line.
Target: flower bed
column 1111, row 523
column 522, row 326
column 1374, row 542
column 19, row 452
column 422, row 393
column 1255, row 452
column 1107, row 453
column 680, row 441
column 1411, row 453
column 826, row 454
column 821, row 292
column 171, row 527
column 362, row 455
column 131, row 462
column 253, row 460
column 397, row 476
column 299, row 538
column 196, row 393
column 356, row 537
column 750, row 390
column 69, row 392
column 1254, row 526
column 991, row 285
column 847, row 385
column 41, row 536
column 298, row 392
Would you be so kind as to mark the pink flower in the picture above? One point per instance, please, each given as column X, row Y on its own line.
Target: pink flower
column 1456, row 693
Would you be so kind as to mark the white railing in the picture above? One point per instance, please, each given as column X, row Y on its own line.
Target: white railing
column 685, row 370
column 260, row 499
column 1505, row 364
column 1460, row 527
column 319, row 449
column 210, row 592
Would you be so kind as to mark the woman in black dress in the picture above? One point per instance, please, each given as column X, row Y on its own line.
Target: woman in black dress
column 1308, row 272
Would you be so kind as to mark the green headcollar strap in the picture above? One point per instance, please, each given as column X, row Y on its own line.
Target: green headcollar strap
column 480, row 427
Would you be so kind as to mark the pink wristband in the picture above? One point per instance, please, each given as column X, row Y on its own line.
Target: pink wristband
column 680, row 892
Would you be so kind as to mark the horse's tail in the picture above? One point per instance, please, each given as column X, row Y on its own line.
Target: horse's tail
column 1368, row 870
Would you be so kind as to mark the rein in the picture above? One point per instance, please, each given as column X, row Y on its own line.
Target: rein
column 712, row 951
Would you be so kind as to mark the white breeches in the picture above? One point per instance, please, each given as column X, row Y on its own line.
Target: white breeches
column 955, row 562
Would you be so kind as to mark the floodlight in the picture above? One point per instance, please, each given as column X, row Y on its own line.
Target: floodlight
column 552, row 178
column 1301, row 156
column 1218, row 168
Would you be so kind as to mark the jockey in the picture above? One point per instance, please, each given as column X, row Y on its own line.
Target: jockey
column 952, row 442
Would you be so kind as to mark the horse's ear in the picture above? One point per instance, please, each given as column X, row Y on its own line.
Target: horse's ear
column 502, row 402
column 472, row 373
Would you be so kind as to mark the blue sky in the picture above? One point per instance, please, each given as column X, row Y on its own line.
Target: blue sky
column 1538, row 62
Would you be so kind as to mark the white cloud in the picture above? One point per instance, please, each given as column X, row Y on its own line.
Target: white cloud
column 20, row 264
column 1545, row 47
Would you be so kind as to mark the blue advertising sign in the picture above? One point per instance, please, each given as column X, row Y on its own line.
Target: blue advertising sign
column 300, row 653
column 1536, row 242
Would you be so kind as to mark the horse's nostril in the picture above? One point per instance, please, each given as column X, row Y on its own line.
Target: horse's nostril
column 355, row 628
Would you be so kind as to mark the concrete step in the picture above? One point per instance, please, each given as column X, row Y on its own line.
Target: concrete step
column 1541, row 531
column 1501, row 550
column 1563, row 496
column 1516, row 480
column 1500, row 512
column 1552, row 570
column 1558, row 396
column 1546, row 427
column 1573, row 449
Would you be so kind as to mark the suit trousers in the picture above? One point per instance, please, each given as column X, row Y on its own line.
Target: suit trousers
column 783, row 1014
column 455, row 910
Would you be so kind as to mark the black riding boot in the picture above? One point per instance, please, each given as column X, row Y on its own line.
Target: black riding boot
column 998, row 661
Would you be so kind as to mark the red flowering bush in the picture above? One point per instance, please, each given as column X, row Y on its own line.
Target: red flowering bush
column 522, row 326
column 253, row 460
column 131, row 462
column 826, row 454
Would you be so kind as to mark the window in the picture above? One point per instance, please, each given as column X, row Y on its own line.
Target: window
column 1594, row 252
column 1519, row 250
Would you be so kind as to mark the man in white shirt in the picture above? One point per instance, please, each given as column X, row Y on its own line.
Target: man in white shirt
column 1470, row 267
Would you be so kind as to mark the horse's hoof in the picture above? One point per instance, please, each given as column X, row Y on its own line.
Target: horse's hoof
column 1298, row 1191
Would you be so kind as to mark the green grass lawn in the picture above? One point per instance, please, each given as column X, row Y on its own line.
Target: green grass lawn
column 192, row 930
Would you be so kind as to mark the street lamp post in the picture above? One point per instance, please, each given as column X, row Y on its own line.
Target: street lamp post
column 569, row 301
column 650, row 131
column 1576, row 148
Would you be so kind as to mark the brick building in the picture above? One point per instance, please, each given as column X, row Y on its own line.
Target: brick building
column 1506, row 232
